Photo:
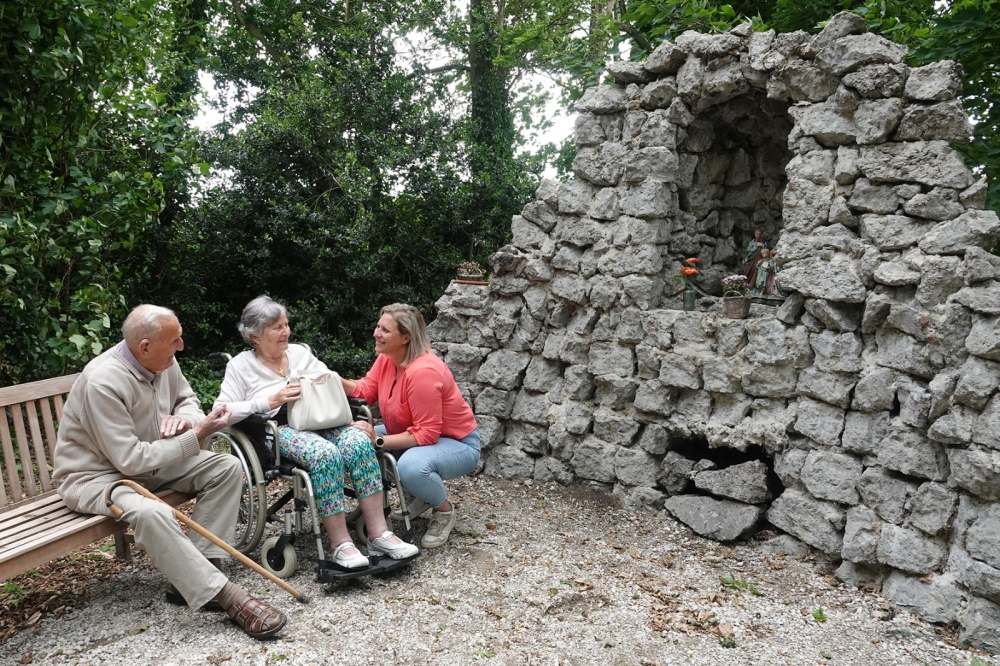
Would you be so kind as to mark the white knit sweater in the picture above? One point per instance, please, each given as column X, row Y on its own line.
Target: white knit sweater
column 249, row 383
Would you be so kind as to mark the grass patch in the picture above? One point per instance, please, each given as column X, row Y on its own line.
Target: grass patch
column 735, row 582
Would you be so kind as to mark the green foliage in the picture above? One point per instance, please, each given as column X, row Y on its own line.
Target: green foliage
column 89, row 143
column 966, row 32
column 819, row 615
column 740, row 583
column 349, row 184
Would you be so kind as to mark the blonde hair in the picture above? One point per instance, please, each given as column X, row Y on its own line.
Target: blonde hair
column 410, row 322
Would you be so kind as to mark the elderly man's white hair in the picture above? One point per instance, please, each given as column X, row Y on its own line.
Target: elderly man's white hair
column 145, row 321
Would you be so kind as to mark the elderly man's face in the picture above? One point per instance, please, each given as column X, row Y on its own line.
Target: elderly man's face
column 157, row 353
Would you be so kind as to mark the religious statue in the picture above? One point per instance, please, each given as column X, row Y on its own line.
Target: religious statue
column 765, row 282
column 752, row 256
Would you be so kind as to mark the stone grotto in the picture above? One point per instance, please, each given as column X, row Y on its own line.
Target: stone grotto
column 861, row 416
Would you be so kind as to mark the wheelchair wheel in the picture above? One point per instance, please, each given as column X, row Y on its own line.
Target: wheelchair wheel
column 252, row 514
column 281, row 562
column 361, row 531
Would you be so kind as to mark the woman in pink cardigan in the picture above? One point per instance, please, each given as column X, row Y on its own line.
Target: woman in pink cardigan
column 428, row 425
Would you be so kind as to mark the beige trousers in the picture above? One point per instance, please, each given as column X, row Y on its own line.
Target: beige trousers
column 217, row 480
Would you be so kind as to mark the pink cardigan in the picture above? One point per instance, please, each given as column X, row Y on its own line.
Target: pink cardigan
column 424, row 400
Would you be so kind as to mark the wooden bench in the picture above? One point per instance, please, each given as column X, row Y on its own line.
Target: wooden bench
column 35, row 526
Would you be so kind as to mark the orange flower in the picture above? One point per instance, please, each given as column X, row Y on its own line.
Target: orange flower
column 688, row 271
column 692, row 260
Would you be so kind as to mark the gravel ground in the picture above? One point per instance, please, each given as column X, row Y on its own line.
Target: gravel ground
column 534, row 574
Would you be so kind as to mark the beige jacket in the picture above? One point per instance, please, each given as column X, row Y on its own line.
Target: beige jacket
column 110, row 425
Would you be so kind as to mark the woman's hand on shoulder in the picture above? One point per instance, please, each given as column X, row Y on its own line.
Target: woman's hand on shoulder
column 288, row 393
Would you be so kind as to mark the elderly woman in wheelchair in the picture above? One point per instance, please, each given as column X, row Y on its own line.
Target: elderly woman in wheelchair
column 256, row 383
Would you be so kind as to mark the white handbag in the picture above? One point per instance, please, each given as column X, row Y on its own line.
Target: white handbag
column 321, row 404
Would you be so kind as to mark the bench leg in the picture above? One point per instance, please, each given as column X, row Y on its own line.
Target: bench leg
column 123, row 545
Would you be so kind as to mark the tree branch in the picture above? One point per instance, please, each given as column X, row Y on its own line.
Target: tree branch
column 632, row 32
column 255, row 31
column 455, row 67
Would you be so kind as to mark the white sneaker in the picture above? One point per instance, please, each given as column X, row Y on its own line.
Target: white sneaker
column 439, row 529
column 415, row 506
column 348, row 561
column 398, row 551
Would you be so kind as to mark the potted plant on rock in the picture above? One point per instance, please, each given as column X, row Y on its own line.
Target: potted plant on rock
column 470, row 272
column 736, row 296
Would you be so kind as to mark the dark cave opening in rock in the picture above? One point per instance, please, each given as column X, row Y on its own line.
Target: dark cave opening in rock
column 732, row 178
column 696, row 450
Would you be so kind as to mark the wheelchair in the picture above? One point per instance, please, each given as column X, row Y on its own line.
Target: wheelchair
column 254, row 442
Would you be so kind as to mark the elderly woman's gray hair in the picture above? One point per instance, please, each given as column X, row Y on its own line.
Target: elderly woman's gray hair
column 259, row 313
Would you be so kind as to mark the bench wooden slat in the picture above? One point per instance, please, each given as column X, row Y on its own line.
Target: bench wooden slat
column 50, row 428
column 28, row 507
column 39, row 447
column 57, row 399
column 31, row 530
column 40, row 512
column 83, row 530
column 24, row 449
column 45, row 388
column 9, row 461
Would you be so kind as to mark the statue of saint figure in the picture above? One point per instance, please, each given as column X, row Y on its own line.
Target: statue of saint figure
column 766, row 279
column 753, row 256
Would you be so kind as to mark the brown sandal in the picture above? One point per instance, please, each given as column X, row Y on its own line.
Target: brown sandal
column 258, row 619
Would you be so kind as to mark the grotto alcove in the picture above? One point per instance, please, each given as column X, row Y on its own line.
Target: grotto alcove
column 865, row 409
column 739, row 150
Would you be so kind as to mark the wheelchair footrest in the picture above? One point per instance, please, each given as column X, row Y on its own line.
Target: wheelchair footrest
column 378, row 564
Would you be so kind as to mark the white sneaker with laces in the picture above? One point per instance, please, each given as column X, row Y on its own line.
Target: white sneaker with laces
column 397, row 551
column 415, row 506
column 439, row 529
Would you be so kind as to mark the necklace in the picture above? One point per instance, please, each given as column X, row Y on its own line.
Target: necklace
column 280, row 370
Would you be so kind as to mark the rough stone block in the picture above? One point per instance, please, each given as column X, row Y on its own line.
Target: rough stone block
column 935, row 82
column 722, row 374
column 931, row 163
column 746, row 482
column 594, row 460
column 814, row 521
column 674, row 472
column 986, row 430
column 984, row 338
column 955, row 427
column 819, row 421
column 932, row 507
column 910, row 550
column 634, row 467
column 502, row 369
column 829, row 387
column 770, row 381
column 885, row 494
column 908, row 450
column 864, row 431
column 531, row 408
column 975, row 228
column 861, row 536
column 509, row 462
column 551, row 469
column 837, row 352
column 832, row 476
column 976, row 470
column 979, row 577
column 611, row 359
column 494, row 402
column 528, row 437
column 979, row 626
column 721, row 520
column 936, row 600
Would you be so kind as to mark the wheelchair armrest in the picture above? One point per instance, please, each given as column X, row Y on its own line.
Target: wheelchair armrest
column 356, row 402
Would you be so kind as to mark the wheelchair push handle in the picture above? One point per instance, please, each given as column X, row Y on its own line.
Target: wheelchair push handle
column 117, row 512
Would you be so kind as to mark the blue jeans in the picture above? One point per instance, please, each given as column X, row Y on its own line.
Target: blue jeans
column 424, row 469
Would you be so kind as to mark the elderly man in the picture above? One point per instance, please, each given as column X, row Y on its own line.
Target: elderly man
column 133, row 415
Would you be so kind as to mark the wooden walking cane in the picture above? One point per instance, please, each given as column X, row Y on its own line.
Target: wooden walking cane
column 247, row 562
